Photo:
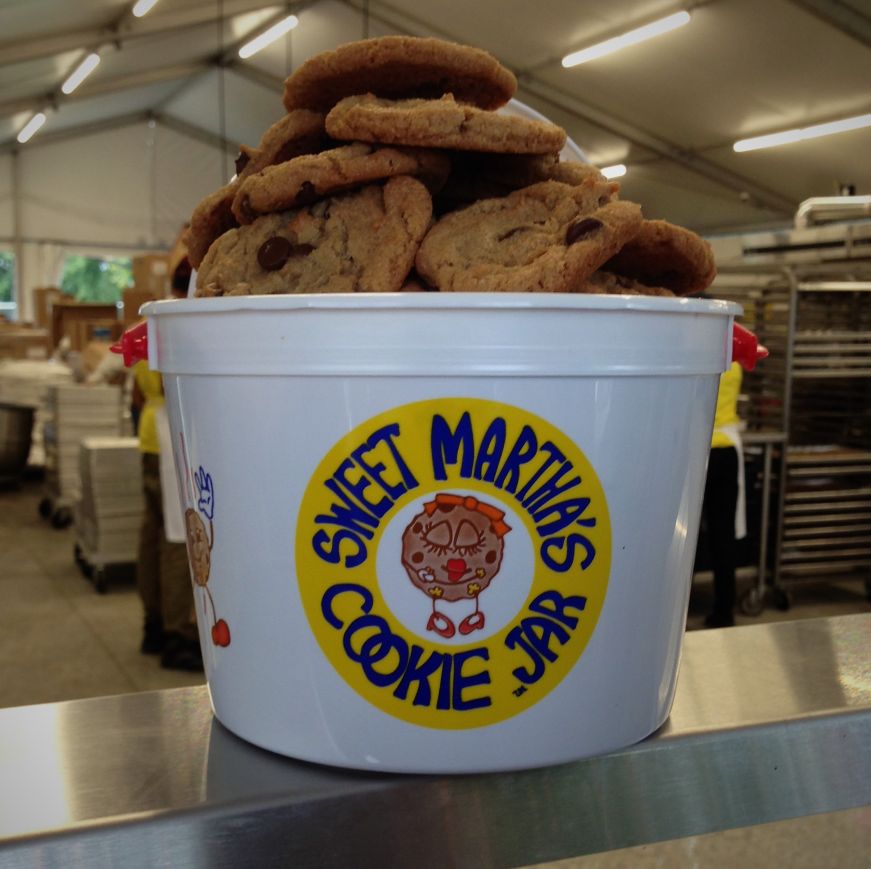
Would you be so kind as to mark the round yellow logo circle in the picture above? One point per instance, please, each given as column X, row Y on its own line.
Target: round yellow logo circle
column 453, row 557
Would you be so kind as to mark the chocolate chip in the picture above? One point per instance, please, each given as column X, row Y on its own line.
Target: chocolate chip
column 581, row 229
column 242, row 161
column 274, row 253
column 306, row 194
column 510, row 233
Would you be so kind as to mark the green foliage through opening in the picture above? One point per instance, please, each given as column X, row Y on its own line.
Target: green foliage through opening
column 89, row 279
column 7, row 274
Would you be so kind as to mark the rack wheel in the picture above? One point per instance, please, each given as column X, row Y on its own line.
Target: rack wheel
column 45, row 508
column 753, row 602
column 101, row 581
column 781, row 600
column 62, row 518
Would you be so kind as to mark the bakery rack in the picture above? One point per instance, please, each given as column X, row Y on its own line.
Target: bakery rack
column 807, row 294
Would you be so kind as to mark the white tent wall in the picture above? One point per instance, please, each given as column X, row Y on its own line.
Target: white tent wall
column 116, row 192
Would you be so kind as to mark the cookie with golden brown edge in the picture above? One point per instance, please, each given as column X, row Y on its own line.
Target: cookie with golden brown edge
column 356, row 242
column 665, row 255
column 395, row 67
column 549, row 237
column 308, row 178
column 300, row 132
column 442, row 123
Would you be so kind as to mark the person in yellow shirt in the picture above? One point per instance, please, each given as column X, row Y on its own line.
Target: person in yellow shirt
column 720, row 505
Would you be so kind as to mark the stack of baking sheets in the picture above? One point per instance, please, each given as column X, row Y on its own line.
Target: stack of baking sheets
column 76, row 412
column 108, row 515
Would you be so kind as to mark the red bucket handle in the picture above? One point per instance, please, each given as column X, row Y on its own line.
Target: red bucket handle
column 133, row 344
column 746, row 349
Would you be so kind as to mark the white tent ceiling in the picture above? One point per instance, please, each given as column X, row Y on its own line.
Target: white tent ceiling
column 669, row 109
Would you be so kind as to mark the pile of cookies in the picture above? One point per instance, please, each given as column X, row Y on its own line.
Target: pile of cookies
column 392, row 170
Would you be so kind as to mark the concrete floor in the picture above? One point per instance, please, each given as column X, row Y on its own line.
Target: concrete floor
column 61, row 640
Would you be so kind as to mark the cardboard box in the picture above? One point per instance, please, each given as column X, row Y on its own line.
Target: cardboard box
column 83, row 321
column 151, row 273
column 20, row 343
column 134, row 298
column 43, row 299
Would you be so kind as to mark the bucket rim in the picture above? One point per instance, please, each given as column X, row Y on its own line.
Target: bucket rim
column 436, row 301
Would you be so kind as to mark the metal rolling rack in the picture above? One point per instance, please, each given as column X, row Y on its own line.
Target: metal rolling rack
column 807, row 293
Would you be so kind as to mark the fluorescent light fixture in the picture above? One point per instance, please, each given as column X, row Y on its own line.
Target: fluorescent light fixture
column 80, row 73
column 268, row 36
column 618, row 170
column 632, row 37
column 787, row 137
column 31, row 127
column 143, row 7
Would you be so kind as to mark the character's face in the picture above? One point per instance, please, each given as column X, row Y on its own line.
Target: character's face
column 452, row 550
column 198, row 547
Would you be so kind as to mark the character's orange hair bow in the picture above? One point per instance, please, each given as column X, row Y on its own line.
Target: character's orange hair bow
column 498, row 527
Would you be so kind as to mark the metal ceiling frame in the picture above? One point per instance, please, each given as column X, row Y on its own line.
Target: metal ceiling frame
column 841, row 16
column 124, row 29
column 106, row 86
column 119, row 33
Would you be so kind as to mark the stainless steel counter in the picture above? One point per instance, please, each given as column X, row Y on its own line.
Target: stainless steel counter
column 770, row 722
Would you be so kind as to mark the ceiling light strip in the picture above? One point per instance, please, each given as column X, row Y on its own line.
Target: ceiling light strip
column 631, row 37
column 618, row 170
column 800, row 134
column 268, row 36
column 28, row 130
column 143, row 7
column 80, row 73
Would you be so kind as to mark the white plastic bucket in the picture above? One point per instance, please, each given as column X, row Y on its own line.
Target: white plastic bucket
column 441, row 532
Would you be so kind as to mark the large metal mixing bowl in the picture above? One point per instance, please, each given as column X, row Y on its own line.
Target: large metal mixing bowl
column 16, row 431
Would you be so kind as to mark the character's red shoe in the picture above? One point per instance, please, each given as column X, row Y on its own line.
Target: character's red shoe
column 441, row 624
column 474, row 622
column 221, row 633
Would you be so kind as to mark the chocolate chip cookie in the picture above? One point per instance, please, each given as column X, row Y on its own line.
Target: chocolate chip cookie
column 210, row 219
column 361, row 241
column 665, row 255
column 442, row 123
column 400, row 66
column 549, row 237
column 299, row 132
column 306, row 179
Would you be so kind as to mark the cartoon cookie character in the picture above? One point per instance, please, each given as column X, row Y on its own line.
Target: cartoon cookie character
column 199, row 544
column 451, row 551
